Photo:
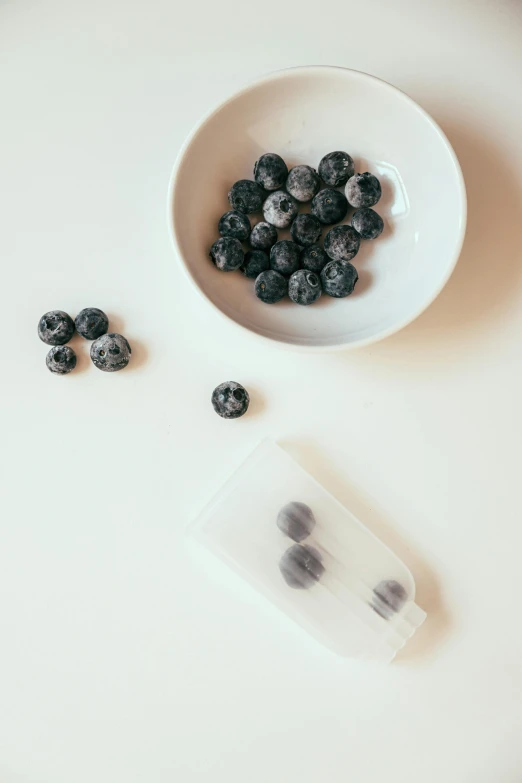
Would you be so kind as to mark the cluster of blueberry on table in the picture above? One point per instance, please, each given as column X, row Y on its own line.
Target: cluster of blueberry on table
column 109, row 352
column 301, row 565
column 298, row 267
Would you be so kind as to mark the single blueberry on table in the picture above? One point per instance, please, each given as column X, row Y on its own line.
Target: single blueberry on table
column 342, row 243
column 55, row 328
column 301, row 567
column 91, row 323
column 389, row 598
column 263, row 236
column 246, row 196
column 256, row 261
column 227, row 254
column 296, row 520
column 61, row 359
column 314, row 258
column 230, row 400
column 234, row 224
column 329, row 206
column 270, row 171
column 363, row 190
column 336, row 168
column 339, row 278
column 279, row 209
column 303, row 183
column 271, row 286
column 367, row 223
column 306, row 230
column 111, row 352
column 304, row 287
column 285, row 257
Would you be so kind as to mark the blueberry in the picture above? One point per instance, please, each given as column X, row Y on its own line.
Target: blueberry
column 304, row 287
column 61, row 359
column 339, row 278
column 230, row 400
column 306, row 230
column 271, row 287
column 234, row 224
column 256, row 261
column 329, row 206
column 390, row 597
column 110, row 353
column 342, row 243
column 285, row 257
column 336, row 168
column 246, row 196
column 227, row 254
column 55, row 328
column 301, row 567
column 314, row 258
column 91, row 323
column 296, row 520
column 270, row 171
column 367, row 223
column 279, row 209
column 303, row 183
column 263, row 236
column 363, row 190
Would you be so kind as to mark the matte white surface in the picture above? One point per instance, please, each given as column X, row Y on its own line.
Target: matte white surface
column 128, row 656
column 301, row 114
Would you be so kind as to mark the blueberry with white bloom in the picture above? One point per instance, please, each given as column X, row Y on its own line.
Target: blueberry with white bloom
column 279, row 209
column 270, row 171
column 234, row 224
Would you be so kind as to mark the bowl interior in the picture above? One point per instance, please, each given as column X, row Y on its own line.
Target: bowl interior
column 301, row 115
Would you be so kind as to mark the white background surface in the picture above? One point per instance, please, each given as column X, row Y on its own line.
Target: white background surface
column 126, row 655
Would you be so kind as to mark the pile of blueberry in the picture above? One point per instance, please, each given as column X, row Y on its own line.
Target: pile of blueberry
column 299, row 267
column 301, row 565
column 109, row 352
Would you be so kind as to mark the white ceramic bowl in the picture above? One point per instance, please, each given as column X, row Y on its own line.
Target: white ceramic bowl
column 302, row 114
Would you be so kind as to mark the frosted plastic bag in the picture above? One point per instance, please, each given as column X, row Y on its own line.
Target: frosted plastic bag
column 334, row 578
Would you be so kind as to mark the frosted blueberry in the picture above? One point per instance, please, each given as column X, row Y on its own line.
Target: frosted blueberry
column 279, row 209
column 270, row 171
column 336, row 168
column 271, row 286
column 306, row 230
column 339, row 278
column 285, row 257
column 111, row 352
column 367, row 223
column 91, row 323
column 304, row 287
column 263, row 236
column 314, row 258
column 55, row 328
column 363, row 190
column 303, row 183
column 329, row 206
column 234, row 224
column 342, row 243
column 230, row 400
column 227, row 254
column 61, row 359
column 246, row 196
column 255, row 262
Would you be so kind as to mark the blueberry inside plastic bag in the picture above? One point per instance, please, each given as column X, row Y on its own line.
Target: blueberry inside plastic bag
column 295, row 543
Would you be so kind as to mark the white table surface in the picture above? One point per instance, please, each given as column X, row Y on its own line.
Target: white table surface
column 126, row 656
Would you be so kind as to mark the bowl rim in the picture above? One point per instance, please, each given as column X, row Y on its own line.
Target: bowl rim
column 274, row 76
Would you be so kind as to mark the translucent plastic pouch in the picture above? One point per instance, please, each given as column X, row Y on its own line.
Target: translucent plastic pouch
column 289, row 538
